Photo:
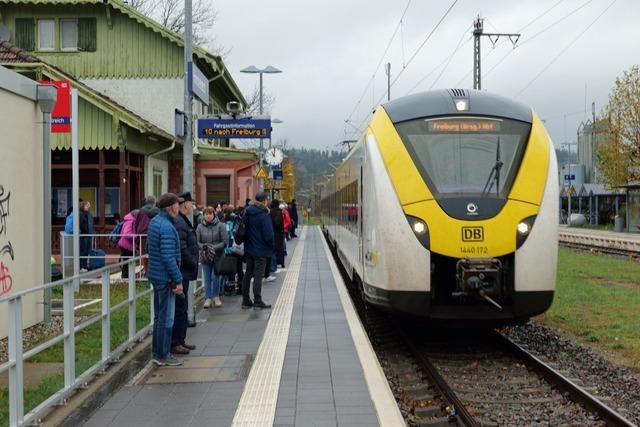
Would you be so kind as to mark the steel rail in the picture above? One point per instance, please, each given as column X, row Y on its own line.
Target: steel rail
column 577, row 393
column 439, row 382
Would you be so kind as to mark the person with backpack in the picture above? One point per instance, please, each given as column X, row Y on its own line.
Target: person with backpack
column 212, row 239
column 259, row 243
column 125, row 242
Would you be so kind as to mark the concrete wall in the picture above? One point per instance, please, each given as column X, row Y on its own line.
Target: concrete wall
column 21, row 208
column 152, row 99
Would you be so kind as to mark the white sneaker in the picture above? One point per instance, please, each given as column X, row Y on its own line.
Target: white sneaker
column 281, row 269
column 83, row 270
column 270, row 279
column 207, row 303
column 216, row 302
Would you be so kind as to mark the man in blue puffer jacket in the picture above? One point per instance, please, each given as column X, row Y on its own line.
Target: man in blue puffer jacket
column 163, row 247
column 258, row 248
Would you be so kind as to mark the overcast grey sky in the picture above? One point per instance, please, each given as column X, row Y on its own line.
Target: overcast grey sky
column 328, row 51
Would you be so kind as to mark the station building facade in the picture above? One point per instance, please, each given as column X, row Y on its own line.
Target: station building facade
column 128, row 70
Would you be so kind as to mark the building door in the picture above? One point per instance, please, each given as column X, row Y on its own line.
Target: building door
column 218, row 190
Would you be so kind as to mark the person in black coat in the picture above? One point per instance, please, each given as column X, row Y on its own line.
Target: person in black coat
column 278, row 230
column 293, row 213
column 189, row 252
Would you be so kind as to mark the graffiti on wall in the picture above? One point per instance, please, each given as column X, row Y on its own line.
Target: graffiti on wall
column 6, row 249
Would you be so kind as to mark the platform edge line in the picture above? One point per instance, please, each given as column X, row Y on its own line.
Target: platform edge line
column 388, row 413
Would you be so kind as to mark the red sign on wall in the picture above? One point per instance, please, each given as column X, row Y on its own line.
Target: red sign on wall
column 61, row 114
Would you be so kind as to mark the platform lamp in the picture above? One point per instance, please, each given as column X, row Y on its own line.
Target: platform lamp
column 252, row 69
column 46, row 96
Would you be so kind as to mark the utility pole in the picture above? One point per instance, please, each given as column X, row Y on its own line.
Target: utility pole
column 187, row 148
column 478, row 31
column 387, row 70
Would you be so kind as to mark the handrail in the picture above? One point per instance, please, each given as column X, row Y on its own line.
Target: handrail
column 17, row 356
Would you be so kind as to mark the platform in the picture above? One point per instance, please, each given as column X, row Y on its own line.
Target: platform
column 306, row 362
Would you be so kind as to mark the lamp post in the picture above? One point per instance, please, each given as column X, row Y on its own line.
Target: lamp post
column 252, row 69
column 46, row 96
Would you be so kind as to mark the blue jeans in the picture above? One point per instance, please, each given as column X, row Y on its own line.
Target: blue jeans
column 164, row 306
column 211, row 281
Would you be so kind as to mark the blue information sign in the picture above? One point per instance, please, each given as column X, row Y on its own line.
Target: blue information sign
column 230, row 128
column 198, row 83
column 276, row 174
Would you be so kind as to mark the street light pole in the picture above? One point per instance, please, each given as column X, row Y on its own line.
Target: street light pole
column 252, row 69
column 46, row 96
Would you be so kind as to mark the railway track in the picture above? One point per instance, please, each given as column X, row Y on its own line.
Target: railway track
column 602, row 242
column 481, row 379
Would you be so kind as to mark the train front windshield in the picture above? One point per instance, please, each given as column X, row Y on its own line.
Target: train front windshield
column 475, row 156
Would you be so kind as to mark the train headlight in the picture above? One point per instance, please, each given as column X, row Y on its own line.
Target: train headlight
column 462, row 105
column 420, row 229
column 524, row 229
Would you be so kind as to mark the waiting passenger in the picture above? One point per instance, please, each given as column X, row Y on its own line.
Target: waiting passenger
column 258, row 248
column 163, row 246
column 212, row 239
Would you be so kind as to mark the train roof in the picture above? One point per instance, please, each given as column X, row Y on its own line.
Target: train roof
column 443, row 103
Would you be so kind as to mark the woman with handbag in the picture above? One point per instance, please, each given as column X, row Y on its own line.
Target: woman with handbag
column 212, row 239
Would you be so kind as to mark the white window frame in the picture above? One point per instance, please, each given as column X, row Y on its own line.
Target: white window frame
column 68, row 49
column 53, row 36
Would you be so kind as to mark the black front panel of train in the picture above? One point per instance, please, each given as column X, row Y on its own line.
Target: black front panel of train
column 445, row 289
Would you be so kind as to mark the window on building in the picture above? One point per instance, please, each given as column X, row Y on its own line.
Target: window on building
column 25, row 32
column 87, row 34
column 157, row 183
column 69, row 34
column 46, row 34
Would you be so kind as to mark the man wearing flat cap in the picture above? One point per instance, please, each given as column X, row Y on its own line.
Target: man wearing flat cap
column 163, row 247
column 189, row 252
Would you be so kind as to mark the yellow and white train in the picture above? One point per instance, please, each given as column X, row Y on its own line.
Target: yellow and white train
column 447, row 208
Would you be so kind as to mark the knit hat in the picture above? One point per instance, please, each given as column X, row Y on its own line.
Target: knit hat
column 167, row 200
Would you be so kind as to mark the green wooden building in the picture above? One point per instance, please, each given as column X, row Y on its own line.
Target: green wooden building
column 129, row 72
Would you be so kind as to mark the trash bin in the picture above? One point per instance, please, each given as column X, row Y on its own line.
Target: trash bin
column 618, row 225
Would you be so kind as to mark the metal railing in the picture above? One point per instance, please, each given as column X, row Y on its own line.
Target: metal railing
column 98, row 241
column 17, row 357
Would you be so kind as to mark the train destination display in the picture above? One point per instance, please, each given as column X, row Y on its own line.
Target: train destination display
column 234, row 128
column 465, row 125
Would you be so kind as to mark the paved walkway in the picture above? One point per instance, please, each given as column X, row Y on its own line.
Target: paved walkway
column 303, row 371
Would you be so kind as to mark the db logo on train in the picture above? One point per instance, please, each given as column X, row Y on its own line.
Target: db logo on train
column 472, row 234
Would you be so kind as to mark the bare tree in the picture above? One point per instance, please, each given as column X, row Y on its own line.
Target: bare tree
column 170, row 13
column 253, row 102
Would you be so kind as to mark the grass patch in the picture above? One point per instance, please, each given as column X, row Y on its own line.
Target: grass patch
column 88, row 343
column 598, row 299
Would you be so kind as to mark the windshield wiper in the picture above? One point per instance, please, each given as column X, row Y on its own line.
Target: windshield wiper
column 494, row 176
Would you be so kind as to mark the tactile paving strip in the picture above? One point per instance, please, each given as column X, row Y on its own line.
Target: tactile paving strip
column 258, row 402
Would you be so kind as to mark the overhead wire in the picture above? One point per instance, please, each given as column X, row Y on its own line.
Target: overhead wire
column 547, row 28
column 413, row 56
column 371, row 80
column 566, row 48
column 488, row 53
column 444, row 62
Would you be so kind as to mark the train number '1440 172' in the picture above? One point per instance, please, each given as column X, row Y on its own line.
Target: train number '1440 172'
column 474, row 250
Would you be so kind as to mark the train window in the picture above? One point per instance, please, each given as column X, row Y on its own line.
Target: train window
column 466, row 155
